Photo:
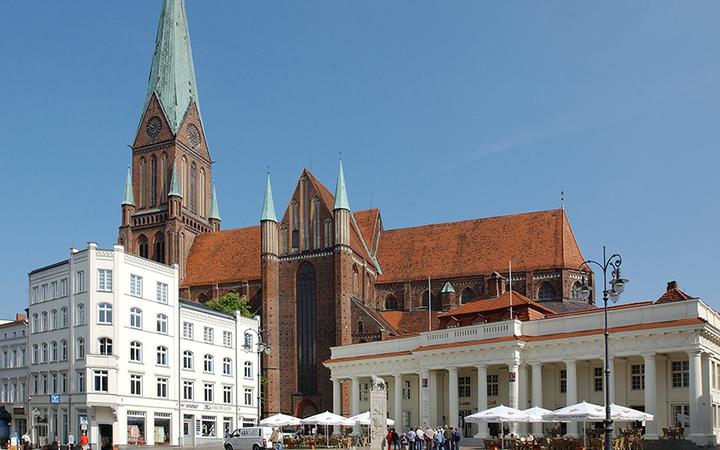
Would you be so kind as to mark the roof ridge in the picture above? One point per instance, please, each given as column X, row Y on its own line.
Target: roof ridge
column 477, row 219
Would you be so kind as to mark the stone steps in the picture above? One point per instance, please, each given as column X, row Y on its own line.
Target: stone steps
column 670, row 444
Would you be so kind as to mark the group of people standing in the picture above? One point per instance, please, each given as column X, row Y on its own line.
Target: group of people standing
column 440, row 438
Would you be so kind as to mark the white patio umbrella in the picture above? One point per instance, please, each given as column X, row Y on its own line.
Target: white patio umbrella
column 327, row 419
column 280, row 420
column 536, row 413
column 499, row 414
column 625, row 414
column 364, row 419
column 580, row 412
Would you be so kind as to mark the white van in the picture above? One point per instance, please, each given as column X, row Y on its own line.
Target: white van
column 250, row 438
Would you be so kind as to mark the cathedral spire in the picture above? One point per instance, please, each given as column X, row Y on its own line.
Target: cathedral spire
column 341, row 198
column 128, row 199
column 268, row 211
column 172, row 75
column 214, row 209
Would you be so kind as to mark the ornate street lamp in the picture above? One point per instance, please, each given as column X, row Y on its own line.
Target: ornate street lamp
column 611, row 264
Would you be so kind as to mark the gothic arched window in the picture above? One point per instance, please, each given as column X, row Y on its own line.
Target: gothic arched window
column 283, row 239
column 163, row 178
column 467, row 295
column 316, row 223
column 328, row 233
column 435, row 302
column 295, row 212
column 201, row 197
column 159, row 247
column 143, row 246
column 306, row 329
column 193, row 188
column 143, row 180
column 546, row 291
column 575, row 291
column 153, row 181
column 391, row 302
column 184, row 181
column 355, row 281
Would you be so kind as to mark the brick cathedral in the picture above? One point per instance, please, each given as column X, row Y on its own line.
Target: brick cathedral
column 321, row 275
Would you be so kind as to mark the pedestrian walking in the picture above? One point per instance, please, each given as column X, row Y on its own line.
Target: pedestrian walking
column 84, row 441
column 71, row 441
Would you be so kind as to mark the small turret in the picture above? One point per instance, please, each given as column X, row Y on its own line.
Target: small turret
column 214, row 216
column 174, row 195
column 341, row 211
column 128, row 203
column 448, row 297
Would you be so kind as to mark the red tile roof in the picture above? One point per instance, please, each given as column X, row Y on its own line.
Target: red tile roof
column 537, row 240
column 224, row 256
column 367, row 221
column 673, row 294
column 493, row 304
column 411, row 322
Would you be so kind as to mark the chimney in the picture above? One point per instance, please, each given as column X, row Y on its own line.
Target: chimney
column 20, row 317
column 495, row 285
column 672, row 285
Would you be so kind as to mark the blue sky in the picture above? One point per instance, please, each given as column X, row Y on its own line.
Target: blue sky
column 442, row 111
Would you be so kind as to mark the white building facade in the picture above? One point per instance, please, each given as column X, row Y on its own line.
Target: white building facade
column 665, row 359
column 14, row 372
column 106, row 351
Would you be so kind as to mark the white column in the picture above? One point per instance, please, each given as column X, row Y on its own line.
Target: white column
column 513, row 389
column 522, row 380
column 355, row 399
column 482, row 399
column 611, row 365
column 537, row 394
column 571, row 392
column 651, row 430
column 424, row 391
column 397, row 403
column 337, row 400
column 453, row 401
column 695, row 393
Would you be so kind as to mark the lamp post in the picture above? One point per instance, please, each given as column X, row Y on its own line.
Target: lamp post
column 611, row 264
column 262, row 347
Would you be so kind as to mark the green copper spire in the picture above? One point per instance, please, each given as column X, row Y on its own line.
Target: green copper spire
column 268, row 211
column 214, row 210
column 172, row 75
column 128, row 199
column 174, row 185
column 341, row 198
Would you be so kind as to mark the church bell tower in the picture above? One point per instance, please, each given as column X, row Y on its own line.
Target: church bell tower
column 169, row 196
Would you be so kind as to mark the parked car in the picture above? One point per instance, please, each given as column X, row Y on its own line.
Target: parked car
column 250, row 438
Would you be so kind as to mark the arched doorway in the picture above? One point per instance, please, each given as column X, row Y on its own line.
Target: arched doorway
column 305, row 408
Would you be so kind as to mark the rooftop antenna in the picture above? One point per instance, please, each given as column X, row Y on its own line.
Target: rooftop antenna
column 562, row 200
column 372, row 195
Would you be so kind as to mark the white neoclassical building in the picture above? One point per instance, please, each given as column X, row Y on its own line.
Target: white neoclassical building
column 113, row 351
column 665, row 359
column 13, row 371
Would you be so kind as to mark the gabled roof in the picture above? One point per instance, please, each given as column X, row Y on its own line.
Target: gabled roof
column 673, row 294
column 172, row 74
column 536, row 240
column 411, row 322
column 493, row 304
column 224, row 256
column 367, row 221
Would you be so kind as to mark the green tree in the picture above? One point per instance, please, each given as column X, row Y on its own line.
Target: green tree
column 229, row 303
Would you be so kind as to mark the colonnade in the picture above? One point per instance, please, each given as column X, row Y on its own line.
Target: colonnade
column 525, row 389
